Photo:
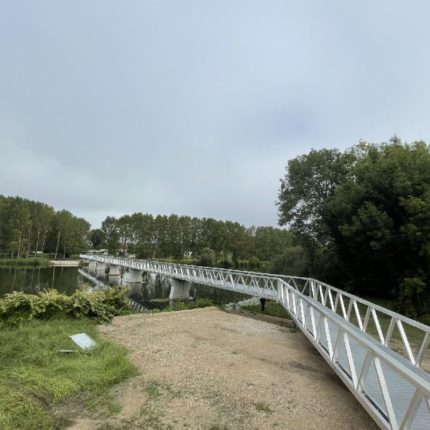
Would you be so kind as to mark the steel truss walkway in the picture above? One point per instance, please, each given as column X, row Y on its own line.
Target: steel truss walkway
column 381, row 356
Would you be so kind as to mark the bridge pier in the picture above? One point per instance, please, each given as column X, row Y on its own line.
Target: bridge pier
column 179, row 289
column 133, row 276
column 92, row 266
column 114, row 279
column 100, row 269
column 114, row 270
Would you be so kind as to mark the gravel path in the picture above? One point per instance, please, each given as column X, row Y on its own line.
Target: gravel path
column 211, row 370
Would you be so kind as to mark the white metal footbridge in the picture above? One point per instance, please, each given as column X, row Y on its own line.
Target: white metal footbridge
column 380, row 355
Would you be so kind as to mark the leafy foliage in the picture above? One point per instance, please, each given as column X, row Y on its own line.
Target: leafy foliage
column 100, row 305
column 207, row 257
column 365, row 212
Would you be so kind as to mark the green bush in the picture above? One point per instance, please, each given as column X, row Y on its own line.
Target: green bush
column 101, row 305
column 425, row 319
column 207, row 257
column 202, row 303
column 181, row 306
column 254, row 262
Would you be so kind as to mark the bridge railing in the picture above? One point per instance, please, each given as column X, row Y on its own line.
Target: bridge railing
column 394, row 392
column 355, row 337
column 403, row 335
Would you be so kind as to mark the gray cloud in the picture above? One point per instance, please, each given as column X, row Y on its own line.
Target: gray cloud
column 195, row 107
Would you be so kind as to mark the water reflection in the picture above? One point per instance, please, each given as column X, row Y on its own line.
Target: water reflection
column 153, row 292
column 113, row 279
column 35, row 279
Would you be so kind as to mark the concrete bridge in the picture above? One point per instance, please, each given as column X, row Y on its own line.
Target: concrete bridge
column 381, row 356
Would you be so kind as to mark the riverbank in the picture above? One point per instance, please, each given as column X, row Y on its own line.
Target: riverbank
column 37, row 380
column 37, row 262
column 25, row 262
column 209, row 369
column 66, row 263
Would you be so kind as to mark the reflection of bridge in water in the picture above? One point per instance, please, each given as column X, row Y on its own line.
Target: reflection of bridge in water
column 381, row 356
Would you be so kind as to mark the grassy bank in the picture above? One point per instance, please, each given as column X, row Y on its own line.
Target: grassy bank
column 272, row 308
column 36, row 378
column 25, row 262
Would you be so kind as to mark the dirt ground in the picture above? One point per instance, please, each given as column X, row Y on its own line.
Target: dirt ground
column 211, row 370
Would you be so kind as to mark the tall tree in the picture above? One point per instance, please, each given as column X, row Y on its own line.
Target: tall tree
column 308, row 183
column 365, row 214
column 111, row 233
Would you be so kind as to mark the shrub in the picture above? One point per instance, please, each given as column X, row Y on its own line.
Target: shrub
column 425, row 319
column 254, row 262
column 207, row 257
column 203, row 303
column 18, row 307
column 101, row 305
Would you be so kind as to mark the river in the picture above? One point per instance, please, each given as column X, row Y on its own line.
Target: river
column 152, row 294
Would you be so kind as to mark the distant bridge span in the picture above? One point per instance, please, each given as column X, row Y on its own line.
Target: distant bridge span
column 366, row 345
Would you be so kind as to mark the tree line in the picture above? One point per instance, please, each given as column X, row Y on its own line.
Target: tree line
column 204, row 240
column 28, row 228
column 363, row 216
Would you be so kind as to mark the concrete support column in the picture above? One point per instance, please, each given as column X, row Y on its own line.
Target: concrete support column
column 179, row 289
column 92, row 265
column 133, row 275
column 100, row 268
column 114, row 270
column 114, row 280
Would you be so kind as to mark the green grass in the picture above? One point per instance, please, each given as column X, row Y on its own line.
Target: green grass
column 153, row 390
column 184, row 306
column 35, row 377
column 25, row 262
column 272, row 308
column 262, row 407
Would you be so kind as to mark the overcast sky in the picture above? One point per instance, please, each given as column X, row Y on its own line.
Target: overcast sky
column 195, row 107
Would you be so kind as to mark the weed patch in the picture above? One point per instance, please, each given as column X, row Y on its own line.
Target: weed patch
column 272, row 308
column 262, row 407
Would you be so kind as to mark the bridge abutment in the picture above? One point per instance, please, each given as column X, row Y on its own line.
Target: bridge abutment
column 179, row 289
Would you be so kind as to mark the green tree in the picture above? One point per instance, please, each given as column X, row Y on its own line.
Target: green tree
column 380, row 219
column 207, row 257
column 309, row 182
column 111, row 233
column 68, row 234
column 97, row 238
column 293, row 261
column 364, row 216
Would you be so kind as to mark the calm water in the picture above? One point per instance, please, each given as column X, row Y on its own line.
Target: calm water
column 31, row 280
column 66, row 279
